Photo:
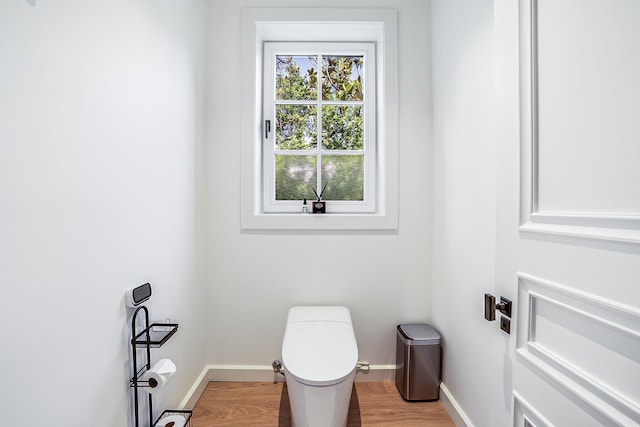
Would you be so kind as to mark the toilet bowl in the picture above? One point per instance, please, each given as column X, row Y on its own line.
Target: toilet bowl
column 320, row 356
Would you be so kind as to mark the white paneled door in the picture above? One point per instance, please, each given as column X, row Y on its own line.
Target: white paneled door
column 568, row 207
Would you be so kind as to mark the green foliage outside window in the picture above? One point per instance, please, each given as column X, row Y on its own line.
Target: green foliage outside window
column 342, row 127
column 291, row 84
column 293, row 173
column 297, row 126
column 344, row 176
column 342, row 78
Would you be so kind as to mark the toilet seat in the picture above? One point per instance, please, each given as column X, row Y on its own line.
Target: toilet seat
column 319, row 353
column 316, row 351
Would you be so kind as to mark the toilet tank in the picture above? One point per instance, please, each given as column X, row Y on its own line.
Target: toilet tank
column 319, row 314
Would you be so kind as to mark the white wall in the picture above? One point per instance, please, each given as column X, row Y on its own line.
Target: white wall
column 464, row 199
column 384, row 278
column 100, row 123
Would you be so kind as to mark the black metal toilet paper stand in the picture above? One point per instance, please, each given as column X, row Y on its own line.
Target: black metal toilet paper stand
column 152, row 336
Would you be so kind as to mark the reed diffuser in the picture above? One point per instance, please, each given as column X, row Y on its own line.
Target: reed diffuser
column 319, row 206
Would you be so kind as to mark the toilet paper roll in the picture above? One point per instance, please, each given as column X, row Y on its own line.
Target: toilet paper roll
column 172, row 421
column 159, row 375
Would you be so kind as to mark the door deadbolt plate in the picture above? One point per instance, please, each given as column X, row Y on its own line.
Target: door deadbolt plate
column 505, row 324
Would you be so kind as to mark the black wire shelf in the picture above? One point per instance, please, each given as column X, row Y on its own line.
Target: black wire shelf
column 155, row 335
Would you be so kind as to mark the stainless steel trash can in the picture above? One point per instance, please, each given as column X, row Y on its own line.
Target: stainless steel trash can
column 418, row 362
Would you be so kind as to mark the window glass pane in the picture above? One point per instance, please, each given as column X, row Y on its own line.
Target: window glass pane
column 296, row 127
column 342, row 78
column 342, row 127
column 296, row 77
column 344, row 176
column 294, row 177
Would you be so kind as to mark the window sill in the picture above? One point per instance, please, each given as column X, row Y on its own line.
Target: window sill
column 319, row 222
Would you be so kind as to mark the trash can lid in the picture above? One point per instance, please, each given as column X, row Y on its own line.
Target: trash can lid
column 419, row 333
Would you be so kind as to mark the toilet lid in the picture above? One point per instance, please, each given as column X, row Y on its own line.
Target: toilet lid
column 319, row 353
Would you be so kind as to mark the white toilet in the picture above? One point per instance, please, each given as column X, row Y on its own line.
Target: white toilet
column 320, row 356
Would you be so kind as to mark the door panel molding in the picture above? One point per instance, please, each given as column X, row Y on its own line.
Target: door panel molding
column 525, row 415
column 586, row 344
column 610, row 226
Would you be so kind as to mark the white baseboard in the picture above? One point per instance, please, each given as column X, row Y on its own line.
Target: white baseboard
column 196, row 390
column 453, row 408
column 264, row 373
column 240, row 373
column 377, row 373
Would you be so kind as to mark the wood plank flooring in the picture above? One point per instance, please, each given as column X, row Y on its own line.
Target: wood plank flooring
column 258, row 404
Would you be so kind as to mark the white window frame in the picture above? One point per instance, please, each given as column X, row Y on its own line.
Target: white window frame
column 312, row 25
column 367, row 51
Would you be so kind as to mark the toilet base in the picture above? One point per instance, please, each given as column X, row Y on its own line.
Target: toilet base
column 320, row 406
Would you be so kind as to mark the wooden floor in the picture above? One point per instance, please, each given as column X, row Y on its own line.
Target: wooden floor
column 266, row 404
